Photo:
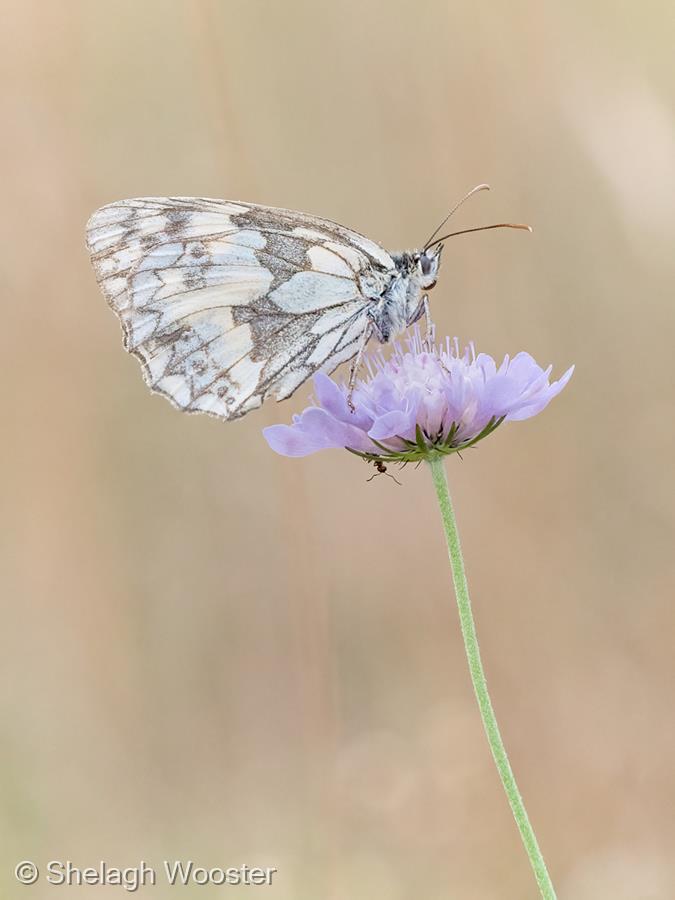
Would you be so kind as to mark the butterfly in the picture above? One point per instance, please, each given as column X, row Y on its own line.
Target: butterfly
column 227, row 303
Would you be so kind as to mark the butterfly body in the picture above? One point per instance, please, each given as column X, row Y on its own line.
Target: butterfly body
column 402, row 303
column 227, row 303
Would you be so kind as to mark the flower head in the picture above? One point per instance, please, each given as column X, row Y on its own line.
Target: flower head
column 421, row 400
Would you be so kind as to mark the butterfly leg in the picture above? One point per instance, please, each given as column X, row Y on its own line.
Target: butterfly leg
column 424, row 310
column 431, row 328
column 354, row 369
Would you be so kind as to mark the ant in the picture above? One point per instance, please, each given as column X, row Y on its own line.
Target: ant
column 381, row 470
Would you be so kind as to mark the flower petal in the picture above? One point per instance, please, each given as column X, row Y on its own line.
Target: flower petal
column 334, row 400
column 315, row 430
column 540, row 401
column 397, row 423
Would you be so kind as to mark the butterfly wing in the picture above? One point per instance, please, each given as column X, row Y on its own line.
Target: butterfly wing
column 226, row 303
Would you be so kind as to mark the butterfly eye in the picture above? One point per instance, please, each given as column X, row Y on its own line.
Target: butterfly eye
column 425, row 264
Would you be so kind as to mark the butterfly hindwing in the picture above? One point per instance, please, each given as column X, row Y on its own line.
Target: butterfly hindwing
column 227, row 303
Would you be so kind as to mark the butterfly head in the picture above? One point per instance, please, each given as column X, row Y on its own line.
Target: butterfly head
column 428, row 262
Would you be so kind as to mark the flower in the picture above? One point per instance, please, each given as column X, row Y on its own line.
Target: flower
column 422, row 400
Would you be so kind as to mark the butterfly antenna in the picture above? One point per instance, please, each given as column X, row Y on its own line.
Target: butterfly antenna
column 478, row 228
column 479, row 187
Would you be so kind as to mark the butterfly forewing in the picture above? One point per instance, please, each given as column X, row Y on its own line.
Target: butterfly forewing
column 227, row 303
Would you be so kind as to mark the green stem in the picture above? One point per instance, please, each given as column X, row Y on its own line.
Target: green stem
column 480, row 685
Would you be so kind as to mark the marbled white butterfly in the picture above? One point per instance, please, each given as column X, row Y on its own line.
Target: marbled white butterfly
column 227, row 303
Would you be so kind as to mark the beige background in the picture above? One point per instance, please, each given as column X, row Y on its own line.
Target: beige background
column 211, row 652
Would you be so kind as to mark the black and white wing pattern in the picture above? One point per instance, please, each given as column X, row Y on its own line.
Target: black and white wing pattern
column 227, row 303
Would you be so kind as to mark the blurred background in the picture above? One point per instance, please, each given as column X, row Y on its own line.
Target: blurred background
column 209, row 652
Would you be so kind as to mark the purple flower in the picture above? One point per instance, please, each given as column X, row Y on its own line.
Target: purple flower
column 422, row 400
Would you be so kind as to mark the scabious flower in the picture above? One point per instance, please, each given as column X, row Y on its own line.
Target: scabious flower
column 422, row 403
column 423, row 400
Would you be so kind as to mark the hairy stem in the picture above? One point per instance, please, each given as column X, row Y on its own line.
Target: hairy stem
column 480, row 685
